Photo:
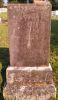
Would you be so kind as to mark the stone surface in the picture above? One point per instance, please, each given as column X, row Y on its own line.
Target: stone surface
column 26, row 83
column 37, row 1
column 29, row 31
column 29, row 76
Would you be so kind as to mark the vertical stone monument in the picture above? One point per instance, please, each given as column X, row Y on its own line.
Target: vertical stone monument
column 29, row 76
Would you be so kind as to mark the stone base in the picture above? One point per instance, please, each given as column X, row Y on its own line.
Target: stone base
column 29, row 83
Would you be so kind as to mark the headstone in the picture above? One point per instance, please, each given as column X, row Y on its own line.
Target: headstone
column 29, row 76
column 53, row 13
column 56, row 12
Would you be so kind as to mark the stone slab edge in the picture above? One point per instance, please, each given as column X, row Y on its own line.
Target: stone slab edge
column 39, row 68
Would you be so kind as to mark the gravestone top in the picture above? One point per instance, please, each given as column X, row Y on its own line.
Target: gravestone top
column 41, row 1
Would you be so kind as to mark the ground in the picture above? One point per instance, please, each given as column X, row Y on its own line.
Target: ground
column 4, row 52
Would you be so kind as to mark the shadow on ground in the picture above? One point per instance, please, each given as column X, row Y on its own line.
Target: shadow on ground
column 4, row 60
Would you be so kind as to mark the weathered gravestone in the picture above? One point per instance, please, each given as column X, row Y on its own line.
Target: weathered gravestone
column 29, row 76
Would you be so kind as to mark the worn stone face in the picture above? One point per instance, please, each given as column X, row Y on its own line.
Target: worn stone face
column 29, row 31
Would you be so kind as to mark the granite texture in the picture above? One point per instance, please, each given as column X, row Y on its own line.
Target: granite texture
column 27, row 84
column 29, row 32
column 26, row 76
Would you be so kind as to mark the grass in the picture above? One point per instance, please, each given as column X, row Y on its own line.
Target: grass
column 54, row 50
column 4, row 52
column 3, row 15
column 3, row 35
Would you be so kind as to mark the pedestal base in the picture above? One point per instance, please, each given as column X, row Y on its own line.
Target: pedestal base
column 29, row 83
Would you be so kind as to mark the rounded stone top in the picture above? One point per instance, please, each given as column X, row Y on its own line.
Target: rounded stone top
column 37, row 1
column 40, row 0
